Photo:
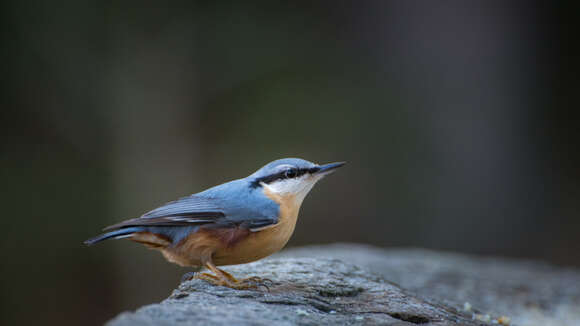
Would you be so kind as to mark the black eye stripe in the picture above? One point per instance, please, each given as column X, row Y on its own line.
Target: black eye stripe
column 282, row 175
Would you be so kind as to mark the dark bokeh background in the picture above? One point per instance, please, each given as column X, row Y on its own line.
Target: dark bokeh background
column 458, row 119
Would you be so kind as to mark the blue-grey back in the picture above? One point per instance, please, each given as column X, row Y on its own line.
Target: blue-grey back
column 239, row 201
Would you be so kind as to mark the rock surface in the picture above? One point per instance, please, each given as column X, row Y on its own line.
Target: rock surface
column 346, row 284
column 530, row 293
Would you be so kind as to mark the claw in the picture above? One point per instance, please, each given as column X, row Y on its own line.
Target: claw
column 188, row 276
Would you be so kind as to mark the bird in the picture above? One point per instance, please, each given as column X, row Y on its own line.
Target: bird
column 237, row 222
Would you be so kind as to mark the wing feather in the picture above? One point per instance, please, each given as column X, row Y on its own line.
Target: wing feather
column 186, row 211
column 205, row 210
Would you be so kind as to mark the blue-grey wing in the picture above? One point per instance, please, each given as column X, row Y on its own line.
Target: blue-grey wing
column 188, row 207
column 196, row 210
column 187, row 211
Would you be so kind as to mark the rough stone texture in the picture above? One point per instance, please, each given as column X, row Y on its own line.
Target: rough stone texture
column 530, row 293
column 346, row 284
column 307, row 291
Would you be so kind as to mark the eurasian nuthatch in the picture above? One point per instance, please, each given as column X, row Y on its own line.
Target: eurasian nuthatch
column 234, row 223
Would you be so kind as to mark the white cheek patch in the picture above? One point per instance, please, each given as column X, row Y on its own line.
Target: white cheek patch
column 288, row 186
column 298, row 187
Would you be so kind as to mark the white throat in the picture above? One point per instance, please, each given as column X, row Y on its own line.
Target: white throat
column 297, row 187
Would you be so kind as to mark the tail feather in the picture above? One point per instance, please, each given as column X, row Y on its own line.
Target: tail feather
column 117, row 234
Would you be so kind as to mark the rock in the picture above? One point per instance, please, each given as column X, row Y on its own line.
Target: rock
column 307, row 291
column 529, row 293
column 346, row 284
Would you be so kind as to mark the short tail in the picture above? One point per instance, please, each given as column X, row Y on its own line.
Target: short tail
column 117, row 234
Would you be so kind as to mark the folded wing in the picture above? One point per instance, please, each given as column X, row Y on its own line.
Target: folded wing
column 187, row 211
column 199, row 210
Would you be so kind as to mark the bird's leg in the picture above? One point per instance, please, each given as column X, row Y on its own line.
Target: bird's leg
column 224, row 278
column 228, row 275
column 250, row 282
column 208, row 278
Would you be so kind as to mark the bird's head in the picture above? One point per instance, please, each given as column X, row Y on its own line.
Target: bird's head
column 291, row 176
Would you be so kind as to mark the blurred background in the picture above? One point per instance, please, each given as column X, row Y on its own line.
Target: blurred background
column 459, row 122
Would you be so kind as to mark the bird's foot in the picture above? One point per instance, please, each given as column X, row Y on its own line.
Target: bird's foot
column 250, row 282
column 215, row 280
column 188, row 276
column 228, row 280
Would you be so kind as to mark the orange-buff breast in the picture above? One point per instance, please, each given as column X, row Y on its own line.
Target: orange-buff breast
column 231, row 246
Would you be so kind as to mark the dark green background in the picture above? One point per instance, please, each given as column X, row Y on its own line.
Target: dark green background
column 456, row 118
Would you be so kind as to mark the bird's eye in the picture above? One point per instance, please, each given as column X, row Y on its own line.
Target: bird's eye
column 290, row 173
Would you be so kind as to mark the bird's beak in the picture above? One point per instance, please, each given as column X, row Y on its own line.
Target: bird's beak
column 328, row 168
